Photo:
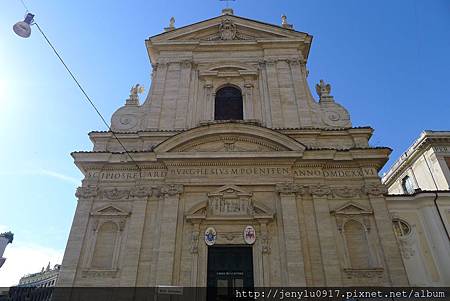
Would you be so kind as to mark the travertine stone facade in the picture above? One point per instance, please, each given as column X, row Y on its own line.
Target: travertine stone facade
column 293, row 168
column 419, row 204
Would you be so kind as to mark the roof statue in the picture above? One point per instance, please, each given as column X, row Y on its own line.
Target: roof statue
column 323, row 89
column 9, row 235
column 134, row 97
column 171, row 25
column 284, row 22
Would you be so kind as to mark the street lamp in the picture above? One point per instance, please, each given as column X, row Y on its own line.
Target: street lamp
column 23, row 28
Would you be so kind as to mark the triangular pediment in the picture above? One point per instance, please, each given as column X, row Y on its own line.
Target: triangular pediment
column 237, row 32
column 110, row 210
column 224, row 32
column 230, row 189
column 352, row 208
column 228, row 27
column 246, row 29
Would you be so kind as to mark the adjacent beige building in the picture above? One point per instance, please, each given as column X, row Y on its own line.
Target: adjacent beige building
column 419, row 203
column 235, row 175
column 45, row 278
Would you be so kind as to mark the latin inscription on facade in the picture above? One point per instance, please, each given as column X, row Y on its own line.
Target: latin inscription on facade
column 231, row 172
column 334, row 173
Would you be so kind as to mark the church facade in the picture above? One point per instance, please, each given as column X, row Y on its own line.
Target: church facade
column 234, row 174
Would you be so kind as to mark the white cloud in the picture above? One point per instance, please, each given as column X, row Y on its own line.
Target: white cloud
column 43, row 172
column 22, row 259
column 60, row 176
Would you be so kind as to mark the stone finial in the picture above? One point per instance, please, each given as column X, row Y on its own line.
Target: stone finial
column 134, row 97
column 171, row 25
column 323, row 90
column 227, row 11
column 284, row 22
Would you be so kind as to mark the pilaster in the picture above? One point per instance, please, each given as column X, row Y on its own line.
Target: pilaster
column 75, row 243
column 293, row 246
column 129, row 273
column 156, row 97
column 274, row 93
column 171, row 92
column 168, row 229
column 183, row 96
column 303, row 105
column 327, row 239
column 391, row 252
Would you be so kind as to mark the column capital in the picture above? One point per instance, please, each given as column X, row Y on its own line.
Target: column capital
column 375, row 189
column 290, row 188
column 320, row 190
column 85, row 192
column 172, row 189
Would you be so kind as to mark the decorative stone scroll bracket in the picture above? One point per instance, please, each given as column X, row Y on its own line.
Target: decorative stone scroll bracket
column 375, row 189
column 333, row 114
column 86, row 192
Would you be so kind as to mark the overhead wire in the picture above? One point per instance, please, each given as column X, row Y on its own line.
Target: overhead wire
column 86, row 95
column 81, row 88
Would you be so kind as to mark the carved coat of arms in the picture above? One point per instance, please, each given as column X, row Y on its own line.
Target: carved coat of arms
column 249, row 235
column 210, row 236
column 227, row 30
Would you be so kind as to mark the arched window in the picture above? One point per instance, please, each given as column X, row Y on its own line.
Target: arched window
column 357, row 244
column 407, row 185
column 228, row 104
column 104, row 246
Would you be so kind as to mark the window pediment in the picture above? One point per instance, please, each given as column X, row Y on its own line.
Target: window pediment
column 352, row 208
column 229, row 202
column 109, row 211
column 229, row 70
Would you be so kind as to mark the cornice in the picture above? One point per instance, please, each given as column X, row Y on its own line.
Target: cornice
column 420, row 146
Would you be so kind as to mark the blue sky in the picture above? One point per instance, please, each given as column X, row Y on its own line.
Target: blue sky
column 388, row 63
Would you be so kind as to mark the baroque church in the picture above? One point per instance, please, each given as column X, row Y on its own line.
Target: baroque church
column 234, row 174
